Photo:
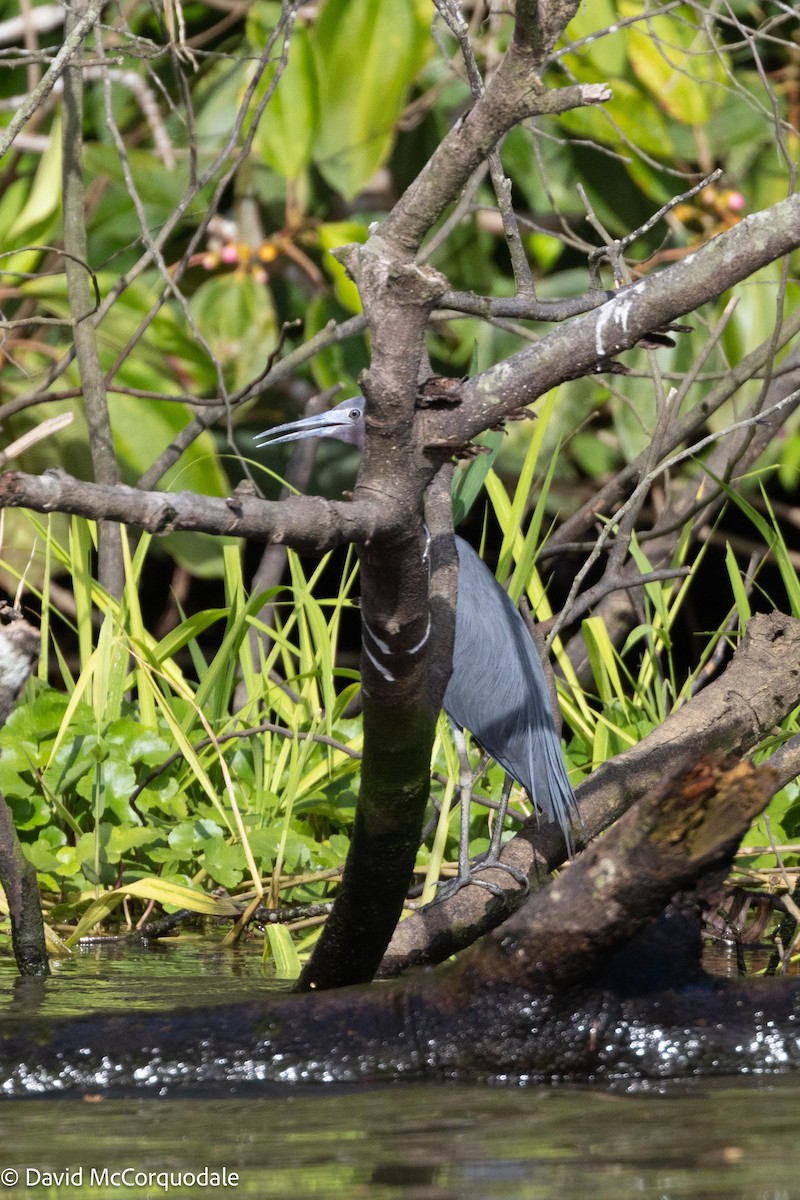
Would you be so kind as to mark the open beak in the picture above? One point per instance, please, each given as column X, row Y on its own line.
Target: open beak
column 345, row 422
column 325, row 424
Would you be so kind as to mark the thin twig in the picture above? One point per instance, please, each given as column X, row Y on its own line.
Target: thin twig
column 72, row 45
column 610, row 527
column 41, row 431
column 452, row 15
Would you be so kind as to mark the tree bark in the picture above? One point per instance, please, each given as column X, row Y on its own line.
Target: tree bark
column 405, row 447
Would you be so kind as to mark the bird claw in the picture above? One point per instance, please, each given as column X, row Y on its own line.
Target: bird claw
column 488, row 863
column 446, row 890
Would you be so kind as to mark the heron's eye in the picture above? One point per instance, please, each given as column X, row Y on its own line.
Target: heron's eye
column 354, row 414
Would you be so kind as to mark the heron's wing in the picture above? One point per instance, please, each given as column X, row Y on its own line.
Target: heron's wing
column 498, row 690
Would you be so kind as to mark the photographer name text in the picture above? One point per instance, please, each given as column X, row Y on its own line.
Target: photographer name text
column 129, row 1177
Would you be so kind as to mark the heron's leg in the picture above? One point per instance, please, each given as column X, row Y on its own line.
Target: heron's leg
column 465, row 782
column 500, row 819
column 466, row 872
column 492, row 856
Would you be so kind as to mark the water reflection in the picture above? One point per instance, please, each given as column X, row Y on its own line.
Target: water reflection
column 124, row 976
column 419, row 1143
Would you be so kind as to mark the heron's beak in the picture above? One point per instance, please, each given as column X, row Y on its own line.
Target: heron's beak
column 327, row 424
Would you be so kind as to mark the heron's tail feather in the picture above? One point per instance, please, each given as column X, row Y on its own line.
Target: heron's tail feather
column 553, row 792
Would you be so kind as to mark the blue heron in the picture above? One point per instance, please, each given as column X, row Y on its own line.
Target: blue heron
column 497, row 689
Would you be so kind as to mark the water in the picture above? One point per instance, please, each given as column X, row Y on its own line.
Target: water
column 420, row 1143
column 732, row 1139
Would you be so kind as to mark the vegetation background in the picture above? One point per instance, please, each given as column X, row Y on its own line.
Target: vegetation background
column 191, row 738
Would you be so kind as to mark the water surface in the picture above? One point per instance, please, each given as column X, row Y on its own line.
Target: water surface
column 727, row 1139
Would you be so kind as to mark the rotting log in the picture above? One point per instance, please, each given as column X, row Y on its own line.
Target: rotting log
column 595, row 978
column 395, row 1032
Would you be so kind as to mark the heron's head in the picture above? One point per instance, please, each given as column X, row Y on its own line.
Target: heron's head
column 345, row 422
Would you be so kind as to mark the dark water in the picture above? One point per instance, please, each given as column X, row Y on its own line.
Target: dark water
column 729, row 1139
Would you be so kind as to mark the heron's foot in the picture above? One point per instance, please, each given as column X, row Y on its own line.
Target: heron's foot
column 489, row 860
column 446, row 890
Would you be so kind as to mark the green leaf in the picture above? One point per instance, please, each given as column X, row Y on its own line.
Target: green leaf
column 636, row 116
column 121, row 841
column 737, row 586
column 287, row 128
column 45, row 195
column 189, row 836
column 287, row 962
column 368, row 54
column 676, row 63
column 332, row 235
column 69, row 861
column 236, row 315
column 36, row 721
column 469, row 481
column 136, row 742
column 298, row 851
column 339, row 362
column 12, row 205
column 224, row 863
column 117, row 781
column 771, row 533
column 160, row 191
column 607, row 53
column 12, row 783
column 30, row 811
column 603, row 661
column 44, row 856
column 545, row 248
column 187, row 631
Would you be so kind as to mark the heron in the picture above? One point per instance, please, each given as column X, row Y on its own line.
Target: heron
column 497, row 690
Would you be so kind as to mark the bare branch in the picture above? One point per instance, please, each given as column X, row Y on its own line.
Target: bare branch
column 760, row 686
column 688, row 426
column 44, row 430
column 617, row 325
column 307, row 523
column 72, row 45
column 538, row 25
column 523, row 278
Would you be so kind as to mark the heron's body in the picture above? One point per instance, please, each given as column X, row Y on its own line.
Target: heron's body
column 497, row 689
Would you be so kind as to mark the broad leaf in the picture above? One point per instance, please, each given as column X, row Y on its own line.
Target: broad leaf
column 368, row 54
column 286, row 131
